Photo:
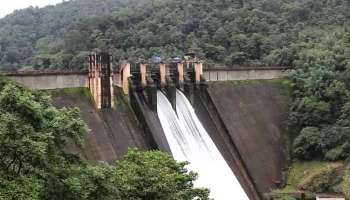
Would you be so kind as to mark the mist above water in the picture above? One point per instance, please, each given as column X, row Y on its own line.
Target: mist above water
column 189, row 141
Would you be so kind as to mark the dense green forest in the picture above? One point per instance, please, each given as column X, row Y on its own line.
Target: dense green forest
column 224, row 32
column 35, row 164
column 321, row 92
column 319, row 120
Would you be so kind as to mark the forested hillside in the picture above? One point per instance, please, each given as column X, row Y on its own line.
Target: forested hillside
column 221, row 31
column 30, row 35
column 321, row 92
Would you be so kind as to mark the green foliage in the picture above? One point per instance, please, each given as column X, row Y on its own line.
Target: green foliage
column 21, row 188
column 32, row 132
column 321, row 99
column 325, row 180
column 220, row 31
column 35, row 36
column 300, row 170
column 82, row 181
column 309, row 143
column 344, row 186
column 284, row 198
column 155, row 175
column 33, row 136
column 316, row 177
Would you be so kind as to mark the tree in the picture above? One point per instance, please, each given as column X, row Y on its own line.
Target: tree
column 265, row 32
column 155, row 175
column 321, row 99
column 308, row 144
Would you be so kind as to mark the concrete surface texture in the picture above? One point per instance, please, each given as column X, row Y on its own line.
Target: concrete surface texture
column 242, row 74
column 54, row 81
column 210, row 118
column 150, row 123
column 253, row 115
column 42, row 80
column 112, row 131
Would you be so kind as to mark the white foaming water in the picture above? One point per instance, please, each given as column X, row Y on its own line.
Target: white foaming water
column 189, row 141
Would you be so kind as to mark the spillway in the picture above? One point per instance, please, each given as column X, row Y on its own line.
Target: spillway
column 189, row 141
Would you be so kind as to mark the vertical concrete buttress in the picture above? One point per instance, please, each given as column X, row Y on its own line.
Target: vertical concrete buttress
column 198, row 67
column 101, row 79
column 151, row 90
column 180, row 69
column 162, row 69
column 125, row 74
column 170, row 90
column 111, row 78
column 98, row 88
column 143, row 71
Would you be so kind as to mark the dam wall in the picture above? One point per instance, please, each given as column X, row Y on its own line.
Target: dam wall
column 243, row 73
column 149, row 121
column 253, row 119
column 46, row 80
column 214, row 125
column 244, row 120
column 112, row 131
column 50, row 80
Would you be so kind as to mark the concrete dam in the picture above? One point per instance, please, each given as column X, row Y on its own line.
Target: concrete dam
column 120, row 104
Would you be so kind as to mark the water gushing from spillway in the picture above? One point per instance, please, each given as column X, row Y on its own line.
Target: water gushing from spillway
column 189, row 141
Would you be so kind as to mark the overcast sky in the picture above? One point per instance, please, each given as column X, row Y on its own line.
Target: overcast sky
column 8, row 6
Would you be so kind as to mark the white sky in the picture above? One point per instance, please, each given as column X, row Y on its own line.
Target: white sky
column 8, row 6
